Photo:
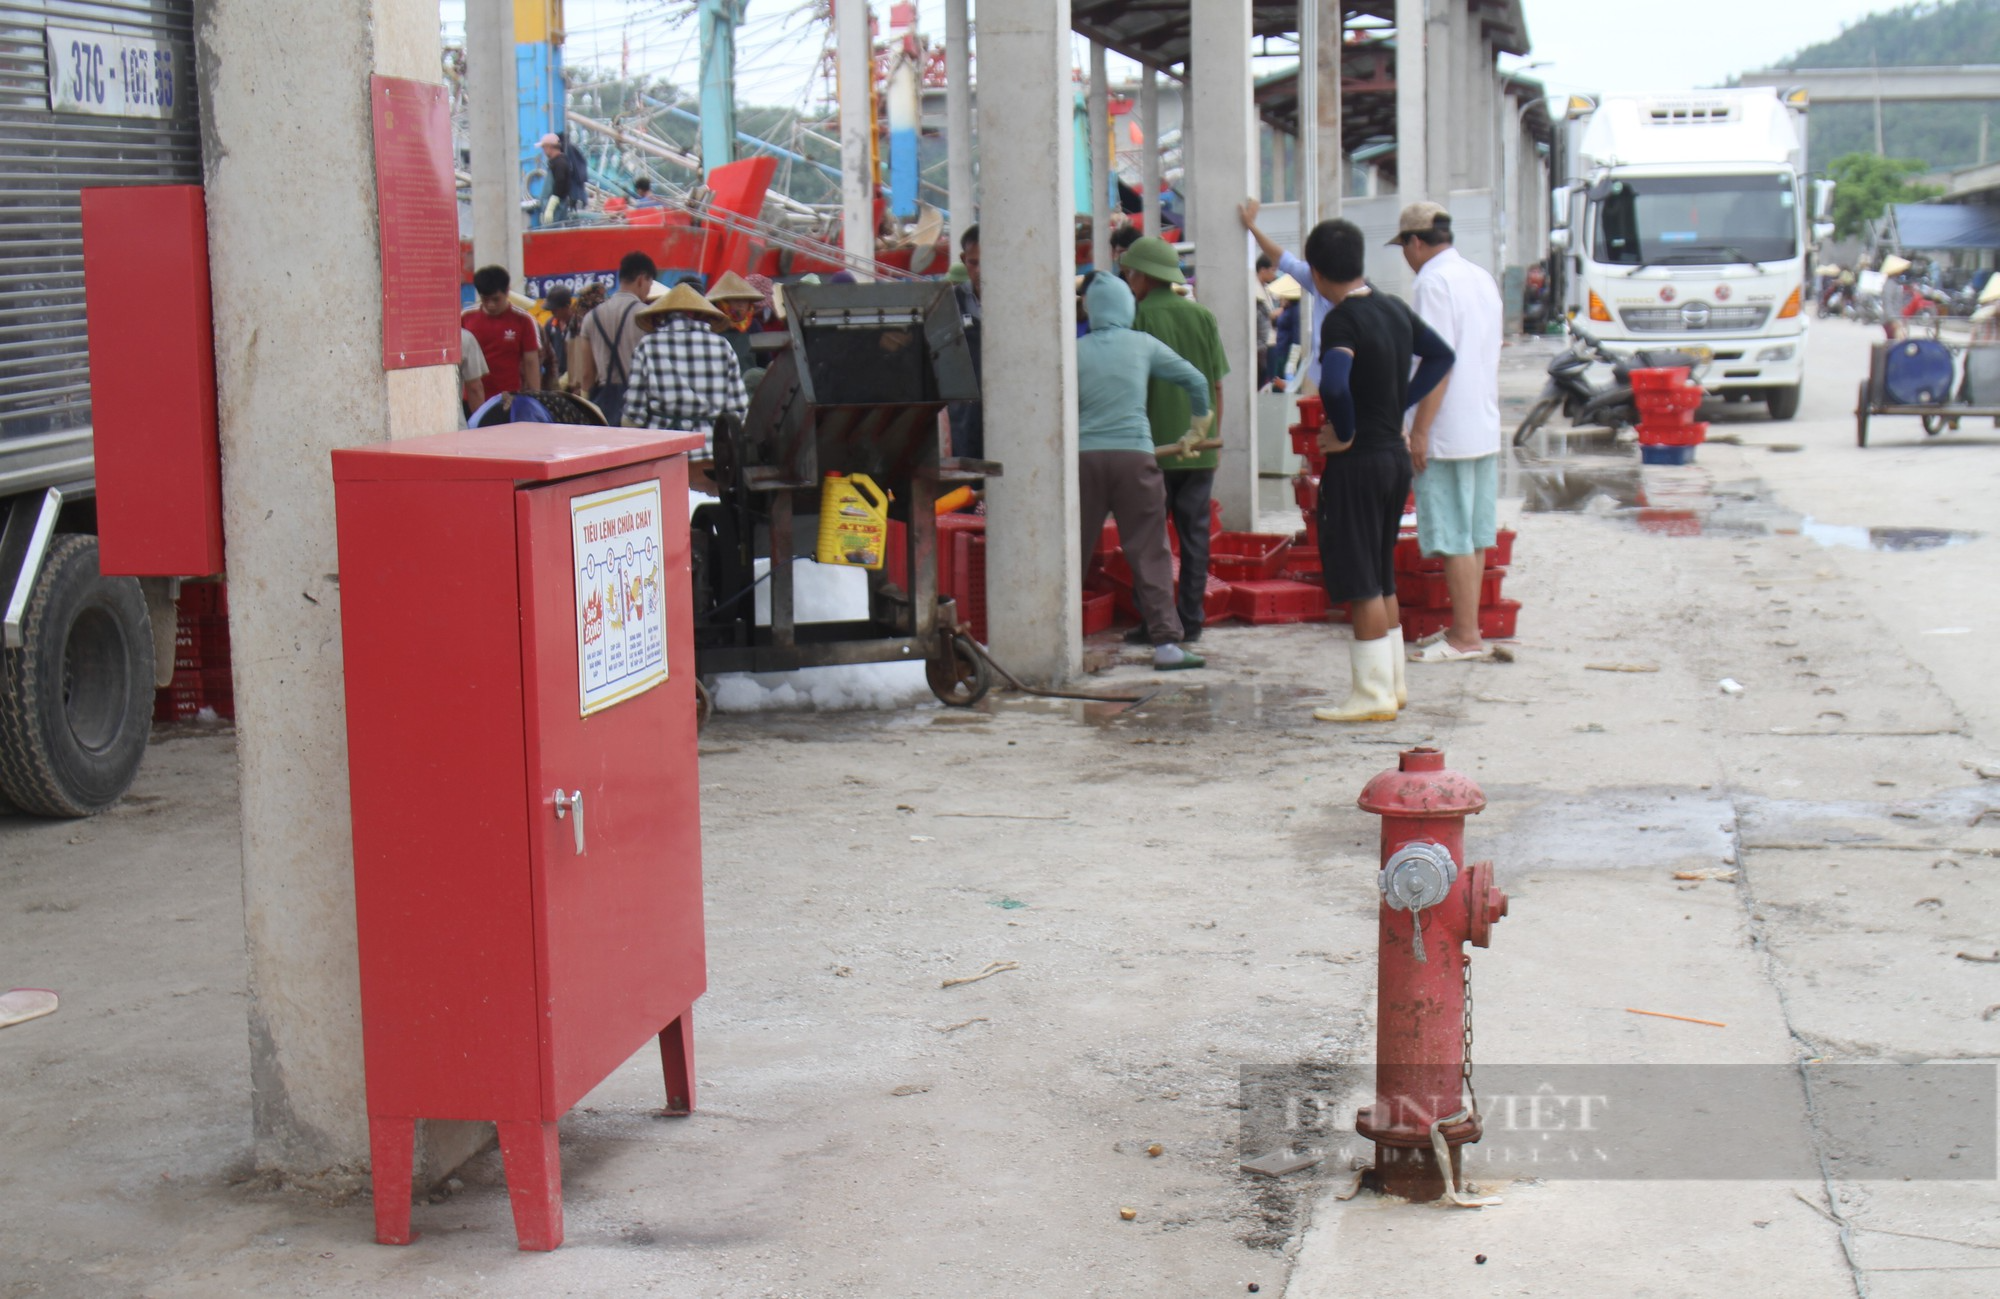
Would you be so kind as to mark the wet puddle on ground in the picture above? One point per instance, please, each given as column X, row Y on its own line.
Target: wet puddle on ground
column 1594, row 475
column 1174, row 707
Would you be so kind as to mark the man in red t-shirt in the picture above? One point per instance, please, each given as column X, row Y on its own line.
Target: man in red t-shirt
column 506, row 333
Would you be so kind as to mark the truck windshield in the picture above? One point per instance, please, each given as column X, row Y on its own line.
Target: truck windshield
column 1696, row 221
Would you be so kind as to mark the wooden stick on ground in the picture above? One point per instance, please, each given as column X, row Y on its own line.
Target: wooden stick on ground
column 1685, row 1019
column 992, row 968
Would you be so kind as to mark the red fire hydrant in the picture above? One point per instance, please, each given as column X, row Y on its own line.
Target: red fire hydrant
column 1432, row 905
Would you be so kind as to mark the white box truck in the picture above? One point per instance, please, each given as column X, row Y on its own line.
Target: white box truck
column 1690, row 223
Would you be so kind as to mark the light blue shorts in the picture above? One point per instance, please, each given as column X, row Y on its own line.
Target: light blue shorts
column 1455, row 505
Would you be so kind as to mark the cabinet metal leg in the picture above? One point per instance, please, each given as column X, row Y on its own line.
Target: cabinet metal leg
column 392, row 1146
column 677, row 1055
column 534, row 1182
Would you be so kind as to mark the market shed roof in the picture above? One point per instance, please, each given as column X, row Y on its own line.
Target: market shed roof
column 1155, row 32
column 1937, row 227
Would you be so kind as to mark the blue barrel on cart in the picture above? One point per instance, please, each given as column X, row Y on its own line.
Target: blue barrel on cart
column 1917, row 372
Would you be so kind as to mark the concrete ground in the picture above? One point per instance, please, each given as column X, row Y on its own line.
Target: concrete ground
column 1189, row 892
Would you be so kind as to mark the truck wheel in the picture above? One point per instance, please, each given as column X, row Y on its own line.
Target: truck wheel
column 76, row 700
column 1783, row 402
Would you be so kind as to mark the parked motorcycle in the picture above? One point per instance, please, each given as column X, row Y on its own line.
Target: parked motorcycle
column 1570, row 390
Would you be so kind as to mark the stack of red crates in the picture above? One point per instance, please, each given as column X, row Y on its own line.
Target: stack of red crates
column 1426, row 603
column 1420, row 588
column 201, row 657
column 962, row 576
column 1667, row 401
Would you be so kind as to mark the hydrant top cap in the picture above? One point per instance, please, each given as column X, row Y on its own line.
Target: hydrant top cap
column 1421, row 785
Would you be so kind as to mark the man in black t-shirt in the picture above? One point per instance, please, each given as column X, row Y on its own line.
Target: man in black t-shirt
column 1366, row 346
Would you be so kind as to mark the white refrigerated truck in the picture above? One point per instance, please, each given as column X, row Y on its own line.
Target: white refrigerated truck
column 1691, row 220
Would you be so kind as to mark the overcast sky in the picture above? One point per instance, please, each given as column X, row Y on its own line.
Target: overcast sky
column 1686, row 43
column 1597, row 45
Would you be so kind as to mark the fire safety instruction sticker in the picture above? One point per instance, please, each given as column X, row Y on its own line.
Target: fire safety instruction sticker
column 621, row 627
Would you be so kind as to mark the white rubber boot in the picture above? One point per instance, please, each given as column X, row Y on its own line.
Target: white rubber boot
column 1373, row 666
column 1400, row 658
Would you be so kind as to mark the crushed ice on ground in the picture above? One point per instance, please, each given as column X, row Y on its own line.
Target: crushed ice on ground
column 820, row 593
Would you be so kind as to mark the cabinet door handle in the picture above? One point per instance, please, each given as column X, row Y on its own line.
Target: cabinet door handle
column 566, row 804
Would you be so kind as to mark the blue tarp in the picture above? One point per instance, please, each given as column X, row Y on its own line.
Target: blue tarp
column 1930, row 227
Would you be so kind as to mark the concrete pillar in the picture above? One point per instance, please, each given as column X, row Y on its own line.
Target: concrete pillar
column 1099, row 108
column 1438, row 82
column 1412, row 100
column 958, row 120
column 1508, row 219
column 493, row 110
column 1331, row 180
column 1224, row 171
column 857, row 126
column 1190, row 220
column 1033, row 570
column 275, row 268
column 1149, row 155
column 1453, row 94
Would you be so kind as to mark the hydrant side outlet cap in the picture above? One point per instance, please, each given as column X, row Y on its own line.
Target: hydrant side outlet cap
column 1422, row 785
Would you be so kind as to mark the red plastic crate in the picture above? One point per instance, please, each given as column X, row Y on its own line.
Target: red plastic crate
column 182, row 699
column 1652, row 434
column 969, row 578
column 201, row 641
column 204, row 598
column 1659, row 380
column 1305, row 490
column 1312, row 411
column 1496, row 621
column 950, row 527
column 1671, row 405
column 1247, row 556
column 1214, row 600
column 1099, row 610
column 1305, row 442
column 1107, row 538
column 1410, row 557
column 1302, row 565
column 1277, row 600
column 1427, row 590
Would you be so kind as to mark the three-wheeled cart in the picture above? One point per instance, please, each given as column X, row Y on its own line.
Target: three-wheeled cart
column 863, row 372
column 1937, row 377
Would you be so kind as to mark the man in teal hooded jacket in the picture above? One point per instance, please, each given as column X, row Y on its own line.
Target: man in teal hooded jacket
column 1118, row 472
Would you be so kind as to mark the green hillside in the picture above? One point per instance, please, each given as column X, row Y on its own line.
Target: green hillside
column 1913, row 35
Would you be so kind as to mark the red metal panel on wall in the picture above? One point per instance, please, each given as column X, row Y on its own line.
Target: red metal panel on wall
column 621, row 949
column 152, row 381
column 417, row 200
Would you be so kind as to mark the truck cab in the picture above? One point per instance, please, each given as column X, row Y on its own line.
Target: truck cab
column 1689, row 227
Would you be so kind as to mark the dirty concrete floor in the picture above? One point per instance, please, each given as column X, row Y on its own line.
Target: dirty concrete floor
column 1188, row 890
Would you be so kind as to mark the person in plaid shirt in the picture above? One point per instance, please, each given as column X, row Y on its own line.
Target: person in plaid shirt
column 684, row 375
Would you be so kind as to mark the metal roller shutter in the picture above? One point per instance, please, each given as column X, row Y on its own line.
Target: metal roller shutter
column 45, row 159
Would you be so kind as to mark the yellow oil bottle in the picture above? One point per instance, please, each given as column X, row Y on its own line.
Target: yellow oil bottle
column 853, row 521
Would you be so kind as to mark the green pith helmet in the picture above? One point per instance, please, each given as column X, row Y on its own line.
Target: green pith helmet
column 1153, row 256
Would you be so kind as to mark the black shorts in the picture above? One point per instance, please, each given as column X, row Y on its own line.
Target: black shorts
column 1361, row 499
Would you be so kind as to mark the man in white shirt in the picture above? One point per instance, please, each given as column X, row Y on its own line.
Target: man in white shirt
column 1457, row 460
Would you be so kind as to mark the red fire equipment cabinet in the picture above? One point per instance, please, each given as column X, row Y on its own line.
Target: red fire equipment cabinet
column 521, row 749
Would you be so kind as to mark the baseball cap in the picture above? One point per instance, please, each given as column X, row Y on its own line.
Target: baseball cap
column 1421, row 219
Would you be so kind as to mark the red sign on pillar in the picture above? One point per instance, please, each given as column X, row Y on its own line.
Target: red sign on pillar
column 418, row 202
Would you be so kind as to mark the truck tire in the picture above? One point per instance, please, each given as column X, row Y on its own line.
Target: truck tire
column 76, row 700
column 1783, row 403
